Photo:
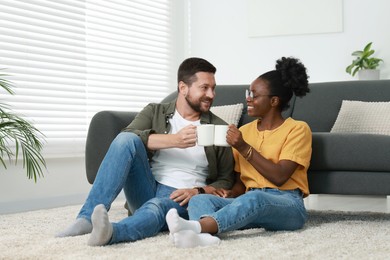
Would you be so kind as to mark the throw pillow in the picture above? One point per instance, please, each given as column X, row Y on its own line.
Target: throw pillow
column 231, row 114
column 363, row 117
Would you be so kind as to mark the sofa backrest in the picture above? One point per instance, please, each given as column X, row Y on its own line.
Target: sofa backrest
column 321, row 106
column 230, row 95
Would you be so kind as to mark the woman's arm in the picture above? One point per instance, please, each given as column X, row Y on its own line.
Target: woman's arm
column 237, row 189
column 277, row 173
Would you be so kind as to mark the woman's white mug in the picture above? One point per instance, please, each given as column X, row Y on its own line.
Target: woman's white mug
column 220, row 132
column 208, row 135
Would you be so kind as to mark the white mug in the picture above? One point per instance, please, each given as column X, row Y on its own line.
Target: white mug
column 220, row 132
column 205, row 135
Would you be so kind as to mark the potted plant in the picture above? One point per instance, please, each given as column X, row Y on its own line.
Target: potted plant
column 18, row 136
column 365, row 64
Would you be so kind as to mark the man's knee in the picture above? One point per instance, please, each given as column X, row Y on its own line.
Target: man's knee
column 127, row 141
column 158, row 206
column 127, row 137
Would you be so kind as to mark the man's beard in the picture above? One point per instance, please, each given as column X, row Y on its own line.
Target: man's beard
column 196, row 106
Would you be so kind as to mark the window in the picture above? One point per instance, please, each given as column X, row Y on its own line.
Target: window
column 71, row 58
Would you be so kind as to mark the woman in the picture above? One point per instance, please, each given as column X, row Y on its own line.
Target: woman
column 272, row 155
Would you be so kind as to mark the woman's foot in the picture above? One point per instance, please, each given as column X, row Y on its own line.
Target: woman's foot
column 176, row 223
column 187, row 233
column 188, row 239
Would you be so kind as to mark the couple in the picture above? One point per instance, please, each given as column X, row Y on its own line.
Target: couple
column 157, row 163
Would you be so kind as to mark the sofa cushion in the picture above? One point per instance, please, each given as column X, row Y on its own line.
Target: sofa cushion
column 319, row 109
column 363, row 117
column 231, row 114
column 350, row 152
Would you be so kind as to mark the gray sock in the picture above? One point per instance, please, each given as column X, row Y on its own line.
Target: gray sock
column 79, row 227
column 102, row 228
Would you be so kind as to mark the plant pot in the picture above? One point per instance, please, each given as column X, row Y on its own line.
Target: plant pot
column 368, row 74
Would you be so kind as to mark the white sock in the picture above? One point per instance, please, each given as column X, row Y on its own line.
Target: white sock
column 188, row 239
column 176, row 223
column 102, row 228
column 79, row 227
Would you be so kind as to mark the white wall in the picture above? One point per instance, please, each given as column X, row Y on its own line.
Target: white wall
column 64, row 183
column 219, row 33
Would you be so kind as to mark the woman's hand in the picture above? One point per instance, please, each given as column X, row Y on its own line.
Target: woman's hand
column 234, row 138
column 223, row 193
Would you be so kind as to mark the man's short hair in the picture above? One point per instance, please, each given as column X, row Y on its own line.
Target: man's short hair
column 189, row 67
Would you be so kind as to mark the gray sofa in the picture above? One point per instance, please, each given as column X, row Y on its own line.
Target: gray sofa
column 354, row 164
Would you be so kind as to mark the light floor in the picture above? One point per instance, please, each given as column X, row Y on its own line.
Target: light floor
column 313, row 202
column 348, row 203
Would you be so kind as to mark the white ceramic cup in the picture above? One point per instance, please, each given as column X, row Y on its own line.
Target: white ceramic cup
column 205, row 135
column 220, row 132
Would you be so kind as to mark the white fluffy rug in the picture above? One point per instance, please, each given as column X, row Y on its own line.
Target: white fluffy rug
column 327, row 235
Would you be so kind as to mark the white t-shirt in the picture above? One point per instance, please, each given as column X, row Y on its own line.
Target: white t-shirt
column 178, row 167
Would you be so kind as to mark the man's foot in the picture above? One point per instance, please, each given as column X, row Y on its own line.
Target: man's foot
column 79, row 227
column 188, row 239
column 102, row 228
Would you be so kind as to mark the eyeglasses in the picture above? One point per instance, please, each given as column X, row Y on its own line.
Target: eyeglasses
column 249, row 94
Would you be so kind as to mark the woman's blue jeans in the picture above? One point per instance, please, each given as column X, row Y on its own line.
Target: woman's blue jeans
column 126, row 167
column 271, row 209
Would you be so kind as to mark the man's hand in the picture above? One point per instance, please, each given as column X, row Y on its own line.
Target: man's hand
column 183, row 196
column 186, row 137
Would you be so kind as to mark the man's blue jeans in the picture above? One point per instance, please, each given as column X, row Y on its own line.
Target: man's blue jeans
column 126, row 167
column 271, row 209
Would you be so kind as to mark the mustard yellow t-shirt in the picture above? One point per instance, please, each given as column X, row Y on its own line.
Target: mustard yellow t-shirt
column 290, row 141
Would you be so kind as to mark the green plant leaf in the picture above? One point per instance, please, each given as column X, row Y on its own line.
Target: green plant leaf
column 363, row 60
column 355, row 71
column 19, row 137
column 367, row 47
column 357, row 53
column 5, row 84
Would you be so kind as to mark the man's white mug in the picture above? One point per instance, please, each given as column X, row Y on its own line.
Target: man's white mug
column 205, row 135
column 220, row 135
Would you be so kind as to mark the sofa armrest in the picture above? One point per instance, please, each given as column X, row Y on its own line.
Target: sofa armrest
column 350, row 152
column 104, row 127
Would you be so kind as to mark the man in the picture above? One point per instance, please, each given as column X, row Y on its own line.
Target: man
column 157, row 163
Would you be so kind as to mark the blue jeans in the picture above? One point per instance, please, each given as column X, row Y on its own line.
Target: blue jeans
column 126, row 167
column 271, row 209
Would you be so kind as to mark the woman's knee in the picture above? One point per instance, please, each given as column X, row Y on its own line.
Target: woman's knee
column 200, row 199
column 201, row 204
